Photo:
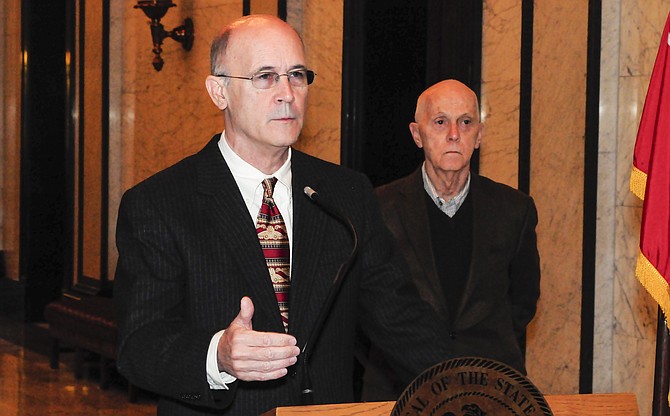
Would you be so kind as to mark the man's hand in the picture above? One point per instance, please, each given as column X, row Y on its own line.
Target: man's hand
column 254, row 356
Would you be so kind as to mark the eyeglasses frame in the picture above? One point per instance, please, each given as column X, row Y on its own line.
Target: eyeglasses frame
column 308, row 73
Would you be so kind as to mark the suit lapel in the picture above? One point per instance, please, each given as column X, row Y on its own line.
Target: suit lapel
column 309, row 226
column 226, row 207
column 417, row 227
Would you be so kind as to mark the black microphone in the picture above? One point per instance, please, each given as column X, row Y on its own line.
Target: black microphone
column 306, row 388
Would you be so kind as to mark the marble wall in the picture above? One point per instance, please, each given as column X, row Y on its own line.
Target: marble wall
column 556, row 180
column 556, row 183
column 501, row 43
column 625, row 316
column 639, row 25
column 323, row 43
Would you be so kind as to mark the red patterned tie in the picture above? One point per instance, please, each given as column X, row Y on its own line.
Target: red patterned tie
column 273, row 237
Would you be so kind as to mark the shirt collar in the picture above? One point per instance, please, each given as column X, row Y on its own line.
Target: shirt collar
column 246, row 172
column 451, row 206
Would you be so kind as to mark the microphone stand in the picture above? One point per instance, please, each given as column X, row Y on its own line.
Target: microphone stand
column 307, row 396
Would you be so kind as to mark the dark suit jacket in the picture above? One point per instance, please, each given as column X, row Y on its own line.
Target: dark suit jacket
column 503, row 284
column 188, row 252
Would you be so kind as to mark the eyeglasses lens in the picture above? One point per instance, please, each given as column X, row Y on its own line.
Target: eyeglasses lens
column 299, row 78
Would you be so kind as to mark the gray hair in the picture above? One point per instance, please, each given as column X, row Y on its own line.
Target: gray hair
column 218, row 50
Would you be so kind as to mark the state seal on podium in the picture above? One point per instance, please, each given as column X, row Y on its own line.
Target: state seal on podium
column 471, row 386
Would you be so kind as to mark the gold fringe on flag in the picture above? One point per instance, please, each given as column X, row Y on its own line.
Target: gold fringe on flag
column 655, row 284
column 638, row 182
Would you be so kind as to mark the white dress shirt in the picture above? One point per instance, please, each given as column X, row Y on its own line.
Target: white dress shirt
column 249, row 181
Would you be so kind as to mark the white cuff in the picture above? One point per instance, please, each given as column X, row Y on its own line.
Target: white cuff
column 218, row 380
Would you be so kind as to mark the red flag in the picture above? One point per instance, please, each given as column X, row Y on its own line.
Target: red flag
column 650, row 180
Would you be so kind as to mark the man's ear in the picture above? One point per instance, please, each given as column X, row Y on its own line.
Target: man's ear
column 217, row 91
column 480, row 133
column 414, row 129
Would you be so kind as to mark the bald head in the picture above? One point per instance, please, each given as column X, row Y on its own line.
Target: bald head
column 446, row 92
column 448, row 129
column 260, row 83
column 247, row 25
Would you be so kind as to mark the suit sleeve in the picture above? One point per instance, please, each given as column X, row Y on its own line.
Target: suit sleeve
column 158, row 349
column 524, row 274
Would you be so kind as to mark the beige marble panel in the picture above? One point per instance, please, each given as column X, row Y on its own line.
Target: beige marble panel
column 135, row 28
column 634, row 316
column 604, row 276
column 10, row 106
column 322, row 24
column 557, row 153
column 294, row 10
column 172, row 115
column 632, row 92
column 92, row 142
column 501, row 40
column 501, row 46
column 609, row 75
column 499, row 150
column 115, row 189
column 605, row 219
column 264, row 7
column 630, row 38
column 635, row 313
column 642, row 23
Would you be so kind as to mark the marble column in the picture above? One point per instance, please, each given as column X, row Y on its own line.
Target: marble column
column 640, row 24
column 557, row 153
column 321, row 26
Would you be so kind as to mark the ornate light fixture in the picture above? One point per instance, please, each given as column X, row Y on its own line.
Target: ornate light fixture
column 155, row 10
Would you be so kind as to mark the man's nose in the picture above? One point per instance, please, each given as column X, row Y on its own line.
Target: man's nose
column 453, row 133
column 284, row 89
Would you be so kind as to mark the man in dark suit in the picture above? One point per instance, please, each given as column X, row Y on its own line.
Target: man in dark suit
column 470, row 242
column 200, row 320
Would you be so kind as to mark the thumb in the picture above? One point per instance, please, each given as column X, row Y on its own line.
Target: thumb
column 246, row 313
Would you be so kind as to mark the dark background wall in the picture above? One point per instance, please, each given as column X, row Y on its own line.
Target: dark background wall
column 44, row 236
column 393, row 50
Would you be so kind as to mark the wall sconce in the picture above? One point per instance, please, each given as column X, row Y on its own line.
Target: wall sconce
column 155, row 10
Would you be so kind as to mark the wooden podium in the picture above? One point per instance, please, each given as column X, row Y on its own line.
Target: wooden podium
column 613, row 404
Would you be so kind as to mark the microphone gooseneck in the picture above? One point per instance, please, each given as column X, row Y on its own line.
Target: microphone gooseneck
column 306, row 387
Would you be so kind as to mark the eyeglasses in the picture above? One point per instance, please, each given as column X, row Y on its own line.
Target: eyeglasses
column 266, row 80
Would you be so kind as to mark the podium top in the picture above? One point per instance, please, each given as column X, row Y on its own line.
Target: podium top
column 342, row 409
column 611, row 404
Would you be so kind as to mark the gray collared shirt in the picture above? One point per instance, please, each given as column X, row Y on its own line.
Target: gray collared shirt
column 448, row 207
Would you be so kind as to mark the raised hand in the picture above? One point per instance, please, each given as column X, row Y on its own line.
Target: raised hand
column 254, row 356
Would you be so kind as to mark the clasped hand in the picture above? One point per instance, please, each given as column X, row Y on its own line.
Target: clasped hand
column 251, row 355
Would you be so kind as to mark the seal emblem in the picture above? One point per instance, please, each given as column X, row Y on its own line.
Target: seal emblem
column 471, row 386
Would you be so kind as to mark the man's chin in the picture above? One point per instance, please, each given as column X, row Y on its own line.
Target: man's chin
column 287, row 136
column 452, row 165
column 284, row 140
